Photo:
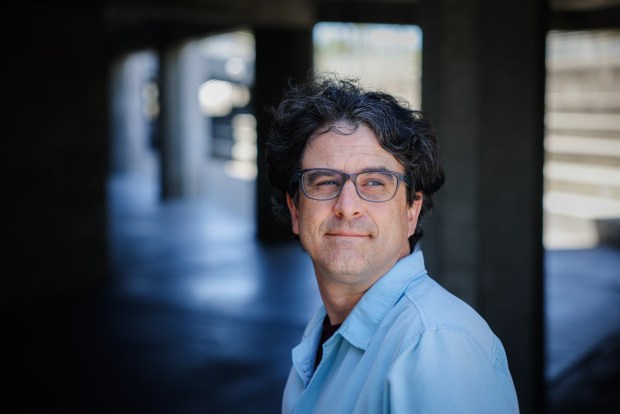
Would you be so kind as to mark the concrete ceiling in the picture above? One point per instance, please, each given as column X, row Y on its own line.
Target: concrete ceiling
column 134, row 23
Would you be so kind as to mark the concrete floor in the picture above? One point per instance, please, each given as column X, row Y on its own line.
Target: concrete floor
column 200, row 318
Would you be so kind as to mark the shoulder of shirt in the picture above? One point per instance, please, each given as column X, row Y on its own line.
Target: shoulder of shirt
column 437, row 310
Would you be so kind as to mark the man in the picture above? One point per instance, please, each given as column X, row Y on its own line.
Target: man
column 355, row 171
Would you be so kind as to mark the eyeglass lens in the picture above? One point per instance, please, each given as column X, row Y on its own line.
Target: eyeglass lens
column 370, row 185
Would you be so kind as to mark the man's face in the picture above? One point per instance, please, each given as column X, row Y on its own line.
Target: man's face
column 352, row 241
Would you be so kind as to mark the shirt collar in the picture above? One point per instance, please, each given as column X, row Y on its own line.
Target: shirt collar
column 362, row 323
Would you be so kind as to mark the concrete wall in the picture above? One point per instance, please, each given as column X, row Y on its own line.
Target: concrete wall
column 582, row 140
column 56, row 150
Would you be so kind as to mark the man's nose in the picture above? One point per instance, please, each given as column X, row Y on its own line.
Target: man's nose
column 348, row 203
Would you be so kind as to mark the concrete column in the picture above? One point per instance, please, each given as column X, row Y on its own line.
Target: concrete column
column 183, row 128
column 483, row 85
column 282, row 54
column 130, row 129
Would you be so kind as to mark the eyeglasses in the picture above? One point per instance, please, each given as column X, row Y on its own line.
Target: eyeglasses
column 326, row 184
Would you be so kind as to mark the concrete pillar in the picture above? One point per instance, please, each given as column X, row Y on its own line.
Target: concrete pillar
column 130, row 128
column 483, row 85
column 183, row 127
column 282, row 54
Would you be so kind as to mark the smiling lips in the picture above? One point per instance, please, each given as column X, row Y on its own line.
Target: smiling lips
column 347, row 234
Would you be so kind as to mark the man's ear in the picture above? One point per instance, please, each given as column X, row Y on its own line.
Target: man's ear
column 413, row 213
column 294, row 213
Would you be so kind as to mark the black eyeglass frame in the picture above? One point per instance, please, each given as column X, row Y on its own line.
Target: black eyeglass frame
column 353, row 177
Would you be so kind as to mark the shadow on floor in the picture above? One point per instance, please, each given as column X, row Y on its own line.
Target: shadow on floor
column 592, row 385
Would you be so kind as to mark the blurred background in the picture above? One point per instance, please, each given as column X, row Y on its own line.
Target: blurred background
column 145, row 272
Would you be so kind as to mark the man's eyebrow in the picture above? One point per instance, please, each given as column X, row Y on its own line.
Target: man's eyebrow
column 379, row 169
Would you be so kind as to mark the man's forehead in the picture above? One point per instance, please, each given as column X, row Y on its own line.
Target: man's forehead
column 352, row 151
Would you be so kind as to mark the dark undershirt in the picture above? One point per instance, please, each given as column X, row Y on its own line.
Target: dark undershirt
column 327, row 332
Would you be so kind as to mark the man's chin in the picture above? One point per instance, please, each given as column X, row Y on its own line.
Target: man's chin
column 347, row 265
column 346, row 241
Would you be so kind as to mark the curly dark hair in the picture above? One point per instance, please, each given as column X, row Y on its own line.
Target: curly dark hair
column 314, row 107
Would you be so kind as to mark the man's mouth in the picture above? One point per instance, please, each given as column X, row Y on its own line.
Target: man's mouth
column 346, row 234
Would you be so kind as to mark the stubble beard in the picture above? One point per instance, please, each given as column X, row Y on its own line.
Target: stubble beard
column 345, row 263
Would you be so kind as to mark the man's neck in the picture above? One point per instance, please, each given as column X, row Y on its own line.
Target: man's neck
column 341, row 292
column 339, row 300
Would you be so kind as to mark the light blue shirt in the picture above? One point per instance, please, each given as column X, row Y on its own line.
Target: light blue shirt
column 408, row 346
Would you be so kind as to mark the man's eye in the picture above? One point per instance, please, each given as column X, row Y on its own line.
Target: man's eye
column 325, row 183
column 373, row 182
